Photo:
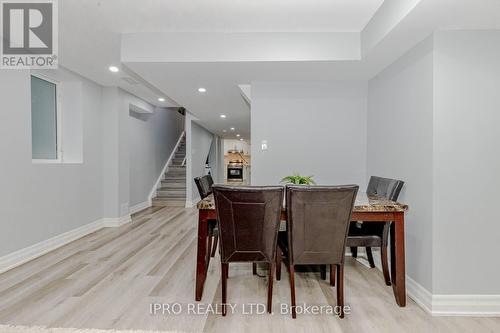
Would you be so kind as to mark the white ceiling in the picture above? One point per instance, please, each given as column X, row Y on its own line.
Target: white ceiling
column 222, row 80
column 230, row 15
column 91, row 36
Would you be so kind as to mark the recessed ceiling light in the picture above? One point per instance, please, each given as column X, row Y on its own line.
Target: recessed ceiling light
column 232, row 128
column 237, row 135
column 161, row 99
column 114, row 69
column 241, row 139
column 202, row 90
column 223, row 116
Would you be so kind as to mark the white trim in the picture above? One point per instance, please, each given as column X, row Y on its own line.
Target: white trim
column 113, row 222
column 140, row 206
column 34, row 251
column 444, row 305
column 466, row 305
column 22, row 256
column 152, row 194
column 419, row 294
column 453, row 305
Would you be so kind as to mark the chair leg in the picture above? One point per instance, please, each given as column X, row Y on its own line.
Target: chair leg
column 385, row 265
column 224, row 275
column 332, row 275
column 209, row 246
column 354, row 251
column 254, row 268
column 278, row 264
column 340, row 289
column 214, row 247
column 292, row 290
column 270, row 288
column 370, row 256
column 323, row 272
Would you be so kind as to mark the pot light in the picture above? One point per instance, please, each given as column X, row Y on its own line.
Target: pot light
column 161, row 99
column 114, row 69
column 202, row 90
column 232, row 128
column 223, row 116
column 241, row 139
column 238, row 135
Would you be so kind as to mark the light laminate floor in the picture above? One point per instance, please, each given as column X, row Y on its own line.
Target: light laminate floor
column 110, row 278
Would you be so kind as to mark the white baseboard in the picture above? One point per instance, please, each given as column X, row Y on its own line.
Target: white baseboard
column 22, row 256
column 143, row 205
column 152, row 194
column 453, row 305
column 29, row 253
column 114, row 222
column 445, row 305
column 466, row 305
column 419, row 294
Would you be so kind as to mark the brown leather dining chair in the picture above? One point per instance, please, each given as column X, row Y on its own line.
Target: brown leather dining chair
column 248, row 219
column 317, row 223
column 375, row 234
column 204, row 185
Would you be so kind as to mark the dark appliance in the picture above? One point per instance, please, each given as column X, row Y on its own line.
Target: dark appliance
column 235, row 171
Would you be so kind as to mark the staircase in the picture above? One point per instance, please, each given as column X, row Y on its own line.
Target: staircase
column 172, row 190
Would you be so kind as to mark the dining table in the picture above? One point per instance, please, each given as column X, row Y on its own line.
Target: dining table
column 367, row 208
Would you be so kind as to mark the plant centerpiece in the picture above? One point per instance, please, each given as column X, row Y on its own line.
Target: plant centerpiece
column 299, row 180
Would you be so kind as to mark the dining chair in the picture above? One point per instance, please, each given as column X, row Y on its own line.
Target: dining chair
column 375, row 234
column 248, row 219
column 317, row 223
column 204, row 185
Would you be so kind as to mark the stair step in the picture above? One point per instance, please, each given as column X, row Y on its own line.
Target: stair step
column 173, row 189
column 171, row 195
column 176, row 175
column 171, row 179
column 176, row 184
column 173, row 202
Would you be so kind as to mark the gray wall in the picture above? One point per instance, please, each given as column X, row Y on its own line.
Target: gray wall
column 152, row 137
column 40, row 201
column 98, row 177
column 198, row 143
column 467, row 162
column 312, row 128
column 400, row 131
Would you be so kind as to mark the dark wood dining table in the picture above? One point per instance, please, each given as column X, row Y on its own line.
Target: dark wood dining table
column 367, row 209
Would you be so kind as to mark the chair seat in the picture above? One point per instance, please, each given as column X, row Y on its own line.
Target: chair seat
column 364, row 241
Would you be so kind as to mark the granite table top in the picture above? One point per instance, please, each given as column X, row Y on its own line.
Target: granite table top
column 364, row 203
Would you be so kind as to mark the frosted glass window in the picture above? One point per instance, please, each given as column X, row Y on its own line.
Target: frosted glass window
column 43, row 119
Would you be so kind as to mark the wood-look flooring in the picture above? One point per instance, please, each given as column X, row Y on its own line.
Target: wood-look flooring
column 108, row 279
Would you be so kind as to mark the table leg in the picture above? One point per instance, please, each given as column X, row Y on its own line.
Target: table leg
column 398, row 271
column 201, row 256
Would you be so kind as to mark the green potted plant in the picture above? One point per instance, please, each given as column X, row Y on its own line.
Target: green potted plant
column 299, row 180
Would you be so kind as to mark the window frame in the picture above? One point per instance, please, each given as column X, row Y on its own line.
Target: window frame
column 59, row 151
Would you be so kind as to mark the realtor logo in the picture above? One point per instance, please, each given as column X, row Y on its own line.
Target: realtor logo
column 29, row 34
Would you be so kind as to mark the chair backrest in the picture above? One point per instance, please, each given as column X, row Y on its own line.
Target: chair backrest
column 204, row 185
column 210, row 182
column 248, row 219
column 318, row 221
column 384, row 187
